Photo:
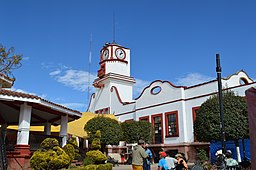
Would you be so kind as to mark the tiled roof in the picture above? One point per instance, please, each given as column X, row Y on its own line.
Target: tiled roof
column 5, row 81
column 30, row 96
column 6, row 77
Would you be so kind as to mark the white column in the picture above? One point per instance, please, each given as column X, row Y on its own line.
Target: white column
column 238, row 154
column 77, row 140
column 64, row 129
column 47, row 128
column 24, row 124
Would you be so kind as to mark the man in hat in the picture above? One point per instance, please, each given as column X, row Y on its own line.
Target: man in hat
column 162, row 164
column 229, row 160
column 138, row 155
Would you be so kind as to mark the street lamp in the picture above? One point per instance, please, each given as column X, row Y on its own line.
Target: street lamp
column 223, row 138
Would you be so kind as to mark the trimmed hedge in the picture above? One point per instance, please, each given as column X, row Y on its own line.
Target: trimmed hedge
column 107, row 166
column 70, row 150
column 50, row 157
column 97, row 156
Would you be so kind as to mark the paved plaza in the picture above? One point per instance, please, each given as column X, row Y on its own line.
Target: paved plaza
column 129, row 167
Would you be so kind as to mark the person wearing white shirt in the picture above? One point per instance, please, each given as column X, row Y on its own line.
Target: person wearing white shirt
column 170, row 162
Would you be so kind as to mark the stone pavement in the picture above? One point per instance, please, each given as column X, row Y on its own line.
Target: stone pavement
column 129, row 167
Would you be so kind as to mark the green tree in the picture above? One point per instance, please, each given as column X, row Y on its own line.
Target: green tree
column 207, row 123
column 135, row 130
column 111, row 131
column 9, row 60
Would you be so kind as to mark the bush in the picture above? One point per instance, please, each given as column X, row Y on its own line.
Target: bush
column 90, row 167
column 70, row 150
column 107, row 166
column 97, row 156
column 49, row 143
column 73, row 142
column 96, row 145
column 202, row 155
column 50, row 159
column 88, row 161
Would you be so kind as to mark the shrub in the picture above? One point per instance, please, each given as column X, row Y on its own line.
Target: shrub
column 107, row 166
column 202, row 155
column 49, row 143
column 50, row 159
column 73, row 142
column 96, row 145
column 90, row 167
column 88, row 161
column 70, row 150
column 97, row 156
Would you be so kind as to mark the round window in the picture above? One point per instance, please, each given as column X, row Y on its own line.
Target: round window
column 156, row 90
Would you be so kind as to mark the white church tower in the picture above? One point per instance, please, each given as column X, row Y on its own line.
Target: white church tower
column 114, row 73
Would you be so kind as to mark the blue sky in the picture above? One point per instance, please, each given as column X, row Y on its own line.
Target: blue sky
column 173, row 40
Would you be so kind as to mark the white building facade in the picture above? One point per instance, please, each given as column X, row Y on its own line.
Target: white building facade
column 171, row 109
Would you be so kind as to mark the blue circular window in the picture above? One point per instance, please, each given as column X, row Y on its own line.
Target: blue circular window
column 156, row 90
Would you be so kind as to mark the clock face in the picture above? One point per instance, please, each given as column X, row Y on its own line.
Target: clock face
column 105, row 54
column 120, row 53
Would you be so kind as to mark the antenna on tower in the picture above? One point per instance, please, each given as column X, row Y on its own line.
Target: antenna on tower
column 114, row 28
column 89, row 71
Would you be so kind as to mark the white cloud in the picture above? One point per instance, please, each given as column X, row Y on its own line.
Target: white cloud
column 192, row 79
column 54, row 73
column 21, row 91
column 25, row 58
column 76, row 79
column 76, row 106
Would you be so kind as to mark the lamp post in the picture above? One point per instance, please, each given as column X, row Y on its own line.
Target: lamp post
column 223, row 138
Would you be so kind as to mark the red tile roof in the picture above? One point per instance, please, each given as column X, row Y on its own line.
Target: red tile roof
column 30, row 96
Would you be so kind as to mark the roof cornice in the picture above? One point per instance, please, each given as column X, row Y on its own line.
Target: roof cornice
column 8, row 95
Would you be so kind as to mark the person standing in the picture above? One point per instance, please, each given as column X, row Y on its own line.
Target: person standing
column 170, row 162
column 162, row 164
column 138, row 155
column 229, row 160
column 147, row 161
column 181, row 164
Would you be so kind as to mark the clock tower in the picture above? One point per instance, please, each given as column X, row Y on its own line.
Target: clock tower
column 114, row 73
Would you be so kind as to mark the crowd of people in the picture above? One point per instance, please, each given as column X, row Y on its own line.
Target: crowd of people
column 142, row 159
